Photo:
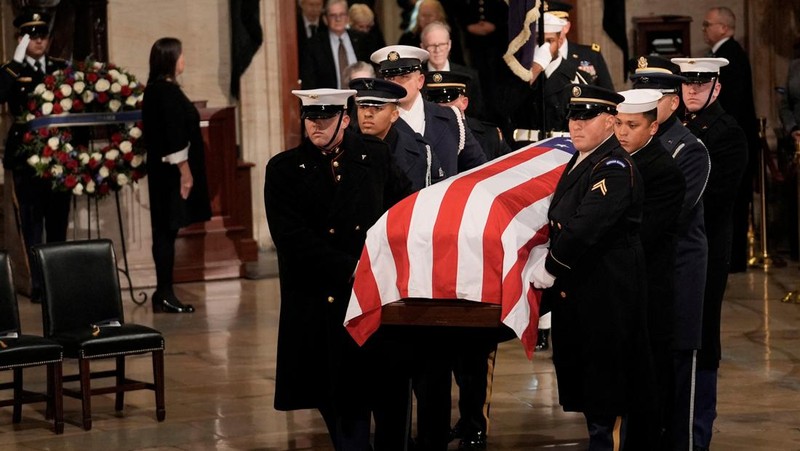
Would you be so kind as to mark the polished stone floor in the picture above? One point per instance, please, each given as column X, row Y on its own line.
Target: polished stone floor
column 220, row 366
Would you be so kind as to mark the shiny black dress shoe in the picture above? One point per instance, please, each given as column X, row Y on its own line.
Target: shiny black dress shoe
column 169, row 303
column 543, row 340
column 474, row 441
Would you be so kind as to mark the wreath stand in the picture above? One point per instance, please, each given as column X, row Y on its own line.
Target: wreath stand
column 95, row 120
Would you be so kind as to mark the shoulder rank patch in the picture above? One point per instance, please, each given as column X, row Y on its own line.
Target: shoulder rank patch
column 601, row 185
column 618, row 162
column 595, row 46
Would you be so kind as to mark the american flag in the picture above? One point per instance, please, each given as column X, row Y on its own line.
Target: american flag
column 473, row 237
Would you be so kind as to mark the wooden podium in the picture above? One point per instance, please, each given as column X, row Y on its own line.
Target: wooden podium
column 219, row 248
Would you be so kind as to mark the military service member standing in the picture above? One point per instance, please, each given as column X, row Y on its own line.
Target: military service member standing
column 320, row 199
column 43, row 212
column 727, row 146
column 652, row 72
column 600, row 343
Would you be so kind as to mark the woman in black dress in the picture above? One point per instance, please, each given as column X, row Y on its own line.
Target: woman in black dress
column 175, row 166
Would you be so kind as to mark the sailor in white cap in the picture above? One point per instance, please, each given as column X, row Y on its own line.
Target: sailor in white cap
column 727, row 146
column 320, row 199
column 635, row 126
column 442, row 128
column 681, row 342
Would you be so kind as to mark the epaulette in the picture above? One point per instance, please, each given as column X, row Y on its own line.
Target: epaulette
column 595, row 46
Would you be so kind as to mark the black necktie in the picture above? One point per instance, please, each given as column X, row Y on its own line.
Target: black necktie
column 37, row 65
column 312, row 30
column 342, row 62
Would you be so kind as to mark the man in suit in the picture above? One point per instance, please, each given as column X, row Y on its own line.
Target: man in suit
column 727, row 147
column 653, row 72
column 595, row 274
column 328, row 54
column 635, row 127
column 736, row 99
column 309, row 22
column 435, row 38
column 376, row 104
column 43, row 213
column 320, row 199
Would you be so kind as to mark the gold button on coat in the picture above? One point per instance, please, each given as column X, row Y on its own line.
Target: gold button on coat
column 563, row 295
column 331, row 231
column 330, row 299
column 336, row 164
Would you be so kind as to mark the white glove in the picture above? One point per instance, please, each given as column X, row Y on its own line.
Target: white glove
column 541, row 277
column 22, row 48
column 542, row 56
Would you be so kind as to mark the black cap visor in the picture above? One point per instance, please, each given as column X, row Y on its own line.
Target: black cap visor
column 400, row 66
column 699, row 78
column 321, row 111
column 444, row 94
column 586, row 111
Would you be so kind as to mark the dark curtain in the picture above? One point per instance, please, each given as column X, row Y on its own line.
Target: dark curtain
column 614, row 26
column 246, row 38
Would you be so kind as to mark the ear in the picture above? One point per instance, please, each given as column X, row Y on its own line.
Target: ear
column 345, row 120
column 653, row 128
column 420, row 81
column 394, row 116
column 674, row 102
column 465, row 102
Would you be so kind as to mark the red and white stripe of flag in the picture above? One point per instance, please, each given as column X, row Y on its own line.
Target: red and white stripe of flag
column 474, row 237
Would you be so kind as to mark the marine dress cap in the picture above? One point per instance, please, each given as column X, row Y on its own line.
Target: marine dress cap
column 558, row 9
column 655, row 72
column 376, row 92
column 700, row 70
column 33, row 23
column 588, row 101
column 324, row 102
column 443, row 87
column 399, row 59
column 639, row 100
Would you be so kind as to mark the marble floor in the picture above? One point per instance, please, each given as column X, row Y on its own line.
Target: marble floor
column 220, row 366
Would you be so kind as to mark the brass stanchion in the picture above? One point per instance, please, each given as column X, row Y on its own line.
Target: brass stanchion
column 764, row 261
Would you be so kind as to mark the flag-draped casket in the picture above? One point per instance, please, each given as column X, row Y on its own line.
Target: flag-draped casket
column 473, row 237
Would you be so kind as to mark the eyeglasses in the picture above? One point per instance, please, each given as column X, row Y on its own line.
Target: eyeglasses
column 707, row 24
column 436, row 47
column 340, row 16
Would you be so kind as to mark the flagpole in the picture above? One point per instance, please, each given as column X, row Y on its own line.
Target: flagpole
column 542, row 77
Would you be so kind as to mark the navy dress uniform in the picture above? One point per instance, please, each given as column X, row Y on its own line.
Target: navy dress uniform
column 448, row 86
column 320, row 202
column 42, row 211
column 691, row 260
column 410, row 152
column 599, row 336
column 727, row 146
column 664, row 189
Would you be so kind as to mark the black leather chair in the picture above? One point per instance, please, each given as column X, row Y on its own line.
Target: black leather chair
column 18, row 351
column 82, row 310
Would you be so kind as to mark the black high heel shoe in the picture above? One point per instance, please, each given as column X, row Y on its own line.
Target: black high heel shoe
column 169, row 303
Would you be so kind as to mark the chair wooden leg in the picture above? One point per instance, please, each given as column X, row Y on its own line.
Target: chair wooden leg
column 86, row 393
column 120, row 395
column 55, row 395
column 17, row 415
column 158, row 380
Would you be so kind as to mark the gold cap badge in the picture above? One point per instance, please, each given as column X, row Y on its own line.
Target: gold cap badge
column 437, row 77
column 642, row 62
column 393, row 56
column 576, row 91
column 36, row 16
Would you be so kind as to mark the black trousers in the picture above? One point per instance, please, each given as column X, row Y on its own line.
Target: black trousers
column 606, row 432
column 474, row 373
column 164, row 257
column 43, row 214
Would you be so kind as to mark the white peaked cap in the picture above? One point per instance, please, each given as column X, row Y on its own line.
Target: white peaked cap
column 396, row 52
column 324, row 96
column 639, row 100
column 710, row 65
column 553, row 23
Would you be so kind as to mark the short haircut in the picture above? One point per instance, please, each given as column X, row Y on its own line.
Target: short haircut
column 651, row 115
column 358, row 66
column 434, row 26
column 726, row 16
column 360, row 12
column 333, row 2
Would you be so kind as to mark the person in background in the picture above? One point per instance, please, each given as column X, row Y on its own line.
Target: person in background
column 727, row 146
column 425, row 13
column 594, row 275
column 436, row 40
column 363, row 19
column 653, row 72
column 736, row 99
column 176, row 173
column 359, row 69
column 588, row 57
column 329, row 53
column 43, row 213
column 635, row 128
column 320, row 199
column 309, row 22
